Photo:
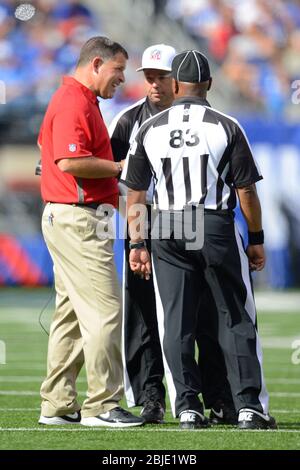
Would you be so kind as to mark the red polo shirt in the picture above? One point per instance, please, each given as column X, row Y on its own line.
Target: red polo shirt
column 73, row 127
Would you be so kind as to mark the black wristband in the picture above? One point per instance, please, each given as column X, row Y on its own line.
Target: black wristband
column 256, row 238
column 137, row 245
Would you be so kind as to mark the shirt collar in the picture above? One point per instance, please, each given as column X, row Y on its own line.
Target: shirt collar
column 191, row 100
column 152, row 109
column 71, row 81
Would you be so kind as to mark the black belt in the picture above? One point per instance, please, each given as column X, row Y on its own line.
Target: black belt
column 218, row 211
column 92, row 205
column 194, row 208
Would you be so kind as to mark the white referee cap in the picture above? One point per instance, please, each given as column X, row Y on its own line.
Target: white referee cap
column 158, row 57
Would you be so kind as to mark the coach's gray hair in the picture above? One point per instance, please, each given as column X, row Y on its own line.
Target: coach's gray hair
column 100, row 46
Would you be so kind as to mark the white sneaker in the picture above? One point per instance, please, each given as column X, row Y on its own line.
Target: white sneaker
column 73, row 418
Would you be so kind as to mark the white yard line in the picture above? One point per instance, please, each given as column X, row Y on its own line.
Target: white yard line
column 296, row 411
column 281, row 381
column 19, row 392
column 284, row 394
column 279, row 342
column 29, row 378
column 20, row 379
column 19, row 409
column 285, row 366
column 36, row 393
column 28, row 393
column 143, row 429
column 37, row 379
column 277, row 302
column 274, row 410
column 26, row 365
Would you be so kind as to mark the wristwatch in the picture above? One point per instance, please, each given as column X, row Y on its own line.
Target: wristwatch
column 137, row 245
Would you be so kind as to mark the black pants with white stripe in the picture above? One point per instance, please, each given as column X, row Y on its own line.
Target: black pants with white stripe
column 180, row 277
column 143, row 363
column 144, row 370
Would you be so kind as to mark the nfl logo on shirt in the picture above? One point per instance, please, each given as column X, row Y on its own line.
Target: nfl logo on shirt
column 72, row 147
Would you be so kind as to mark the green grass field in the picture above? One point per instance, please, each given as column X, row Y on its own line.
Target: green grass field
column 21, row 376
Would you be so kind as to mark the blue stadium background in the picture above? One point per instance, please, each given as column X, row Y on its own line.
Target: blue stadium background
column 255, row 61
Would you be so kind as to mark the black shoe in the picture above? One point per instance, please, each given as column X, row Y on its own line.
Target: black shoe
column 222, row 413
column 190, row 419
column 74, row 418
column 115, row 418
column 252, row 419
column 153, row 412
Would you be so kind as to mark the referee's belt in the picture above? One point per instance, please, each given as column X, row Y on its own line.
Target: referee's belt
column 193, row 208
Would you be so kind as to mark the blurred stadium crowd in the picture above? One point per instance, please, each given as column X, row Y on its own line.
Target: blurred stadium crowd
column 35, row 54
column 254, row 49
column 255, row 43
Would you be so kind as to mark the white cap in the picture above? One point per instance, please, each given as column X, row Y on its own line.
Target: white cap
column 158, row 57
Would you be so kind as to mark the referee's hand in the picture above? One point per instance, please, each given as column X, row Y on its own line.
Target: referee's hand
column 140, row 262
column 256, row 256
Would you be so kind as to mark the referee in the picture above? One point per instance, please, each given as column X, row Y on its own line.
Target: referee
column 143, row 363
column 200, row 158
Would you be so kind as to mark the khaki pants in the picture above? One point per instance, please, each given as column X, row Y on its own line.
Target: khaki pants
column 87, row 320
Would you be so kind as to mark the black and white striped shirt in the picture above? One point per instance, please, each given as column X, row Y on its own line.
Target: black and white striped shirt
column 196, row 155
column 123, row 130
column 126, row 124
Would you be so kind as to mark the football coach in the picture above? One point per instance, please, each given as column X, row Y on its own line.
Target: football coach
column 78, row 176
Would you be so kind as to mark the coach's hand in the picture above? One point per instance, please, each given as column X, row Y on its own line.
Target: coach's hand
column 140, row 262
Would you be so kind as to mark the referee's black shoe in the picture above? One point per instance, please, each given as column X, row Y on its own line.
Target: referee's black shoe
column 153, row 412
column 223, row 413
column 252, row 419
column 191, row 419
